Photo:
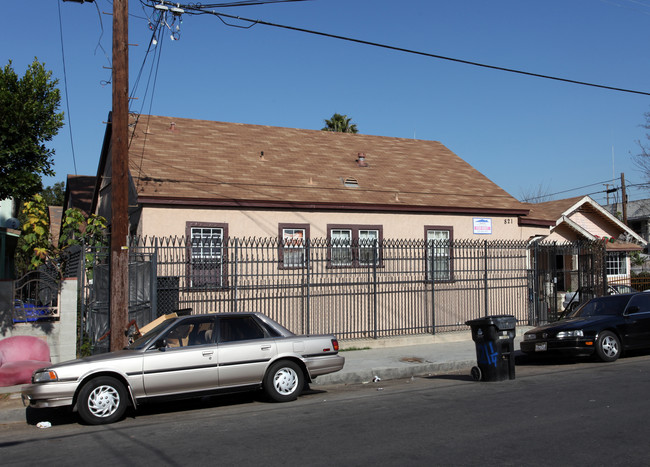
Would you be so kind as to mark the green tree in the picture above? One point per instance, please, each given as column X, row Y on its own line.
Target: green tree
column 35, row 246
column 28, row 119
column 341, row 124
column 54, row 195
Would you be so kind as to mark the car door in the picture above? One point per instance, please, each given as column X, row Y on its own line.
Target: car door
column 186, row 363
column 637, row 319
column 245, row 349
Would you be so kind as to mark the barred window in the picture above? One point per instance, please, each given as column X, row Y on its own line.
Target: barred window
column 293, row 245
column 439, row 260
column 355, row 245
column 206, row 259
column 341, row 247
column 368, row 247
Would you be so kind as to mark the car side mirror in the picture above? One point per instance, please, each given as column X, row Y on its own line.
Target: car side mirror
column 633, row 309
column 161, row 344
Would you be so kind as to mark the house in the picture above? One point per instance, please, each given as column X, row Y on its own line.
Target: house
column 195, row 178
column 581, row 218
column 638, row 216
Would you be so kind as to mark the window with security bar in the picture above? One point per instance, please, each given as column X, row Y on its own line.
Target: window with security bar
column 206, row 259
column 439, row 266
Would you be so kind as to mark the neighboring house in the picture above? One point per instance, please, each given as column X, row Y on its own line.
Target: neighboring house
column 581, row 218
column 79, row 192
column 638, row 216
column 198, row 178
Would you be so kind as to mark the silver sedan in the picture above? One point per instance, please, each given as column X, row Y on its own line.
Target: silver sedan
column 187, row 356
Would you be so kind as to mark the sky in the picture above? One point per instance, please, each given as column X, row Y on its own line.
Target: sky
column 527, row 134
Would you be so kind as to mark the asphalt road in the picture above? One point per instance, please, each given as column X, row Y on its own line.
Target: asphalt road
column 583, row 413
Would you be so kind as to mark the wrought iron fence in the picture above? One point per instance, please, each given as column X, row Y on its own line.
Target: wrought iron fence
column 36, row 296
column 356, row 290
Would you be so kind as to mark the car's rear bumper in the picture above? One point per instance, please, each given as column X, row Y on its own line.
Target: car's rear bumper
column 323, row 365
column 48, row 394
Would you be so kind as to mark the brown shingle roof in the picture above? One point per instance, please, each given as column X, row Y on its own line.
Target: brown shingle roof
column 204, row 162
column 551, row 210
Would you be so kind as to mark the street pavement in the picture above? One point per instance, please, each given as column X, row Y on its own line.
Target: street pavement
column 365, row 361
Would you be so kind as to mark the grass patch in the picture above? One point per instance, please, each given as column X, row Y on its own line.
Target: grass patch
column 354, row 348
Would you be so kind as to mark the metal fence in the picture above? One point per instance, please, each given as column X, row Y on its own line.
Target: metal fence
column 357, row 290
column 36, row 296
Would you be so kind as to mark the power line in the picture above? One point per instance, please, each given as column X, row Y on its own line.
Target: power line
column 199, row 9
column 65, row 85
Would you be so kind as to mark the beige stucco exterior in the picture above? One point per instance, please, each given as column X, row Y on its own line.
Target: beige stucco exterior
column 170, row 221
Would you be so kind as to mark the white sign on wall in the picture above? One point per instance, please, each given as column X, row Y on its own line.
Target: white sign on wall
column 482, row 226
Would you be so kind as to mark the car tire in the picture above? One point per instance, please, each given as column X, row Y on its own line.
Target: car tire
column 608, row 346
column 284, row 381
column 102, row 400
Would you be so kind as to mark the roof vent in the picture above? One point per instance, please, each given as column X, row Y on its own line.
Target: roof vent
column 351, row 182
column 172, row 126
column 361, row 160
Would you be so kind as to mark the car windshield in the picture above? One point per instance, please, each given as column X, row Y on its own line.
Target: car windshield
column 611, row 305
column 145, row 340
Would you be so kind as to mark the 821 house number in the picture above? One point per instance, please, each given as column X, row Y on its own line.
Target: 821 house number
column 508, row 221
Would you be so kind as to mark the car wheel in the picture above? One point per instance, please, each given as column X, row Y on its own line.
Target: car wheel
column 608, row 346
column 102, row 400
column 284, row 381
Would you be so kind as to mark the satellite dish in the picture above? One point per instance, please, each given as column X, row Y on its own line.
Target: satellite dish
column 12, row 223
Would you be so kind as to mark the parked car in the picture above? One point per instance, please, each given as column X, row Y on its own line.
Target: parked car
column 605, row 326
column 187, row 356
column 572, row 299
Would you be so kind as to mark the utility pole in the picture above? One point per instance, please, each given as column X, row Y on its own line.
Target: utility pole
column 624, row 198
column 119, row 265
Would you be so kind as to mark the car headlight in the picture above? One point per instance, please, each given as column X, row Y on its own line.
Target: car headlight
column 529, row 337
column 44, row 376
column 576, row 333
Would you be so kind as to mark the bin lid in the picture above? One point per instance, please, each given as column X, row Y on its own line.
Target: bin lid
column 501, row 322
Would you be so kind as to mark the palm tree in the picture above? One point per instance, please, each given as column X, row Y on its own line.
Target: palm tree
column 340, row 123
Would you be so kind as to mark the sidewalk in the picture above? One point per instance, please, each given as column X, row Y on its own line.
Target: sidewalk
column 389, row 358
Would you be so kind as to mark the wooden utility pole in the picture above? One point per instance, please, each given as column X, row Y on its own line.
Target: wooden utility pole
column 624, row 198
column 119, row 266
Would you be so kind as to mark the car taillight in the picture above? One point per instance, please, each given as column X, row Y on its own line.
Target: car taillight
column 335, row 344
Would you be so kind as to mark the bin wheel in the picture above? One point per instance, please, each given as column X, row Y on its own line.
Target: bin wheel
column 476, row 373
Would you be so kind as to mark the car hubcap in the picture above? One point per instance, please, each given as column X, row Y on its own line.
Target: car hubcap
column 609, row 346
column 103, row 401
column 285, row 381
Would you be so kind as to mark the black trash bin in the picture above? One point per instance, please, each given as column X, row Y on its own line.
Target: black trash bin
column 494, row 339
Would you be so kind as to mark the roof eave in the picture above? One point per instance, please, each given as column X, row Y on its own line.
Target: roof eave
column 302, row 205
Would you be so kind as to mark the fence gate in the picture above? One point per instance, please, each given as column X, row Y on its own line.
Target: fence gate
column 95, row 294
column 560, row 268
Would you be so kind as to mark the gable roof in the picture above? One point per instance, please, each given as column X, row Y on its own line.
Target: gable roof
column 199, row 162
column 79, row 192
column 562, row 210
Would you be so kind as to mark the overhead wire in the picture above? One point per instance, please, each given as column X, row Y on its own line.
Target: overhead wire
column 67, row 94
column 199, row 9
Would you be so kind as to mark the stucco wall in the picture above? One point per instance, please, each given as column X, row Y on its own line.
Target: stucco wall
column 61, row 335
column 166, row 221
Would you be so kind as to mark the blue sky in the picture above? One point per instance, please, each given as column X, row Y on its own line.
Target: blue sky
column 526, row 134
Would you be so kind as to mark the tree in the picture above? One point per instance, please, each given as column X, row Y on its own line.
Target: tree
column 54, row 195
column 642, row 160
column 28, row 120
column 340, row 123
column 35, row 246
column 532, row 194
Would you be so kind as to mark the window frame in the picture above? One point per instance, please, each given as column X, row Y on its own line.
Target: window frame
column 282, row 247
column 621, row 261
column 450, row 256
column 221, row 274
column 355, row 245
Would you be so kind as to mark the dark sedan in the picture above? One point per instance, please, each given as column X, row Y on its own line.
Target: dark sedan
column 604, row 326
